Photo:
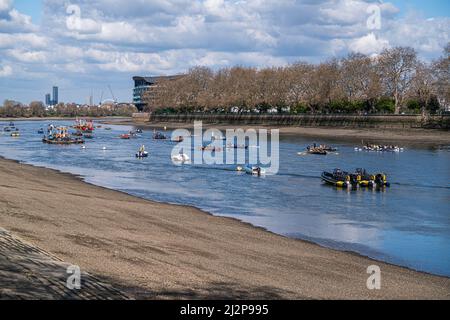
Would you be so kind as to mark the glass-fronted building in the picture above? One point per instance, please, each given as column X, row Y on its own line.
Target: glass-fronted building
column 55, row 96
column 146, row 84
column 48, row 99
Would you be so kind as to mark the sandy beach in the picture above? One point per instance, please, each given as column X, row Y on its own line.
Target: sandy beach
column 152, row 250
column 408, row 136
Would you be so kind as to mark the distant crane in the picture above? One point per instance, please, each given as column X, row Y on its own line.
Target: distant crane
column 112, row 94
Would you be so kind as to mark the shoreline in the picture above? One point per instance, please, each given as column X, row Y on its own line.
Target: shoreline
column 199, row 253
column 429, row 137
column 62, row 118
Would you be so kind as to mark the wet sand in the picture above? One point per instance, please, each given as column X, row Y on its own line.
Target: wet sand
column 390, row 136
column 153, row 250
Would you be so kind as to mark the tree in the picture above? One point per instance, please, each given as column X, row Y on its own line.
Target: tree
column 397, row 67
column 37, row 109
column 422, row 89
column 441, row 72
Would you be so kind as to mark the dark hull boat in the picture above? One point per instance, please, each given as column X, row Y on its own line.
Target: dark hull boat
column 141, row 154
column 338, row 178
column 360, row 178
column 317, row 151
column 159, row 136
column 62, row 141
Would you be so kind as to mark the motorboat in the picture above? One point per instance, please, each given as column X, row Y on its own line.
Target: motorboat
column 366, row 179
column 178, row 139
column 159, row 136
column 254, row 170
column 141, row 154
column 339, row 178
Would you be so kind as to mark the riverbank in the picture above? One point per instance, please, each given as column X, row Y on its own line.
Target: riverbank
column 158, row 251
column 27, row 272
column 393, row 136
column 7, row 120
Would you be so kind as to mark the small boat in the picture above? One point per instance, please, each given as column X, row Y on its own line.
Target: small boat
column 328, row 148
column 84, row 126
column 141, row 154
column 138, row 131
column 7, row 129
column 182, row 157
column 41, row 131
column 360, row 178
column 365, row 179
column 159, row 136
column 125, row 136
column 11, row 124
column 15, row 134
column 316, row 150
column 379, row 148
column 133, row 134
column 254, row 170
column 211, row 148
column 63, row 141
column 339, row 178
column 61, row 136
column 178, row 139
column 108, row 128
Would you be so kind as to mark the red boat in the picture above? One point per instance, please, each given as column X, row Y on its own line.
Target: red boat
column 125, row 136
column 84, row 126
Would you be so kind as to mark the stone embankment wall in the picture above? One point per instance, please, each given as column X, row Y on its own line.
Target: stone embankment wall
column 335, row 121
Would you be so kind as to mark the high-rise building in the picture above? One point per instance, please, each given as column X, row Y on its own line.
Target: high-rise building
column 48, row 99
column 55, row 96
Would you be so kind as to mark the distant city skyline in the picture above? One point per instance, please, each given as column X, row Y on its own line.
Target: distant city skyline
column 85, row 46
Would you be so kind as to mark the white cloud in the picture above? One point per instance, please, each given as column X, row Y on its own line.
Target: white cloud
column 369, row 44
column 81, row 40
column 5, row 5
column 27, row 56
column 5, row 71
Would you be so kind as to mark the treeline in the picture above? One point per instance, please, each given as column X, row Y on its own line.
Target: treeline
column 393, row 82
column 13, row 109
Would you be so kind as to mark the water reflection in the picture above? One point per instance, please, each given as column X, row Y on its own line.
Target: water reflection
column 407, row 224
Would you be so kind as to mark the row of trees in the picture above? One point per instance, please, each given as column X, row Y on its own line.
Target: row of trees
column 394, row 81
column 13, row 109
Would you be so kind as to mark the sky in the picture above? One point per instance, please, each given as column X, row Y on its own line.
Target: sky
column 85, row 46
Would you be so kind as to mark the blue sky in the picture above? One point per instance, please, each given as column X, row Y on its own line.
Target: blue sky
column 430, row 8
column 33, row 8
column 46, row 42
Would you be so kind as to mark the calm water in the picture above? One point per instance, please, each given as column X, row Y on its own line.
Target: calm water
column 408, row 224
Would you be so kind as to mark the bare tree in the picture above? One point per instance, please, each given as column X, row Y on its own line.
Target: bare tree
column 441, row 72
column 397, row 67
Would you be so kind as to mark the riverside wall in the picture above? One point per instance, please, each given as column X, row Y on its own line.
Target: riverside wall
column 335, row 121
